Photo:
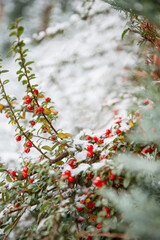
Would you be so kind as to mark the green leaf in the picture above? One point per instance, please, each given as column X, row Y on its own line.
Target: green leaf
column 7, row 229
column 28, row 63
column 12, row 34
column 60, row 162
column 47, row 148
column 4, row 71
column 124, row 33
column 5, row 82
column 8, row 178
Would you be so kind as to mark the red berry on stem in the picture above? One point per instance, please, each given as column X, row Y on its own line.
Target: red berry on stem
column 97, row 182
column 108, row 131
column 29, row 144
column 111, row 176
column 25, row 174
column 30, row 107
column 90, row 176
column 39, row 110
column 31, row 180
column 90, row 205
column 17, row 205
column 67, row 172
column 12, row 173
column 95, row 138
column 118, row 131
column 7, row 115
column 25, row 169
column 35, row 91
column 80, row 209
column 33, row 123
column 47, row 99
column 90, row 154
column 27, row 100
column 90, row 148
column 82, row 201
column 88, row 138
column 18, row 138
column 100, row 141
column 71, row 179
column 27, row 150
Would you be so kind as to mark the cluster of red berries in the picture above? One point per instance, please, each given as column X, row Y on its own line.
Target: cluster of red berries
column 95, row 138
column 90, row 152
column 148, row 150
column 98, row 183
column 28, row 146
column 67, row 174
column 72, row 163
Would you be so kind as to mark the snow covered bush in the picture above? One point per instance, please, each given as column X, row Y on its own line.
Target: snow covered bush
column 90, row 186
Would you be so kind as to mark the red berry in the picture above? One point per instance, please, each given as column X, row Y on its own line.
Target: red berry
column 27, row 100
column 47, row 99
column 25, row 174
column 149, row 150
column 118, row 131
column 99, row 225
column 107, row 215
column 90, row 176
column 106, row 209
column 88, row 138
column 97, row 181
column 7, row 115
column 144, row 150
column 90, row 148
column 95, row 138
column 31, row 180
column 12, row 173
column 26, row 96
column 113, row 147
column 29, row 144
column 90, row 205
column 40, row 158
column 80, row 208
column 25, row 169
column 111, row 176
column 71, row 179
column 17, row 205
column 147, row 101
column 64, row 176
column 67, row 172
column 115, row 111
column 18, row 138
column 82, row 201
column 30, row 107
column 39, row 110
column 53, row 138
column 108, row 131
column 88, row 238
column 100, row 141
column 35, row 91
column 90, row 154
column 33, row 123
column 27, row 150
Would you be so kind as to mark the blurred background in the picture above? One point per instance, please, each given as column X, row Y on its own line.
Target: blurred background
column 80, row 62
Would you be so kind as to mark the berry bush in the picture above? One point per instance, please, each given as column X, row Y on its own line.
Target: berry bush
column 90, row 186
